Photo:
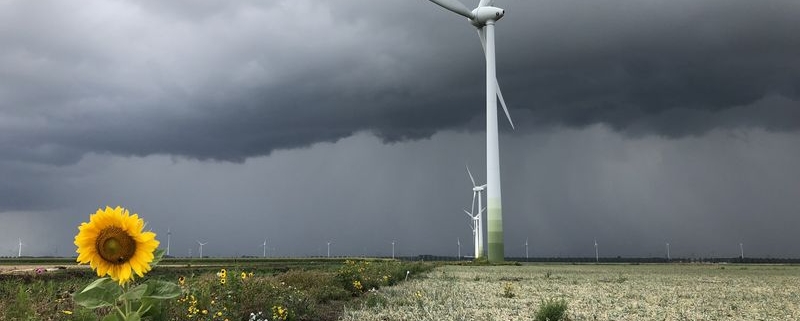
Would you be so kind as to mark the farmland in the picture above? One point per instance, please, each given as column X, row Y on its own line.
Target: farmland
column 594, row 292
column 325, row 289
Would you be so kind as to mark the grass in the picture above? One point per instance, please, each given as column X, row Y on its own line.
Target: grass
column 294, row 289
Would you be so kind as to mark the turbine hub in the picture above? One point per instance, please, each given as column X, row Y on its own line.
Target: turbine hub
column 485, row 14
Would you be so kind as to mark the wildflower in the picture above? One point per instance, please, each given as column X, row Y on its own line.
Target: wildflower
column 279, row 313
column 204, row 311
column 67, row 312
column 222, row 281
column 40, row 270
column 181, row 280
column 357, row 285
column 250, row 274
column 244, row 275
column 113, row 244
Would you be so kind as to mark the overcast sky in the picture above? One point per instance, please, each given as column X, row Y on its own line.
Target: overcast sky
column 305, row 121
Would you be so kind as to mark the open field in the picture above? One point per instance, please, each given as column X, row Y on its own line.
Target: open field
column 593, row 292
column 211, row 289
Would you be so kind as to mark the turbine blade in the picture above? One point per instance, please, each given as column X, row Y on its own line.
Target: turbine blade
column 473, row 181
column 482, row 36
column 455, row 6
column 503, row 103
column 485, row 3
column 473, row 203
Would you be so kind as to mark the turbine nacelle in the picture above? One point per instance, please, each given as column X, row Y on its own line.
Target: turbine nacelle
column 479, row 188
column 482, row 15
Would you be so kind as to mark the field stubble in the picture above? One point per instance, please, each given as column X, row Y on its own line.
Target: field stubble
column 594, row 292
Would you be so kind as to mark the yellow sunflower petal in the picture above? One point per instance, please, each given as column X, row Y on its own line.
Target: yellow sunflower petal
column 113, row 244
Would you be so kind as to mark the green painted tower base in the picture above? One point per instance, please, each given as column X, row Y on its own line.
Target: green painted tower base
column 496, row 253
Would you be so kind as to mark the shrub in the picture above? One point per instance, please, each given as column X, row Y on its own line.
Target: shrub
column 552, row 310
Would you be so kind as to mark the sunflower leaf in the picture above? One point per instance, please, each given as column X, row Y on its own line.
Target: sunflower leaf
column 134, row 294
column 161, row 290
column 158, row 255
column 96, row 283
column 100, row 293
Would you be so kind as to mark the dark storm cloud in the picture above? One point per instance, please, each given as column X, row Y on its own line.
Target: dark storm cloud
column 212, row 80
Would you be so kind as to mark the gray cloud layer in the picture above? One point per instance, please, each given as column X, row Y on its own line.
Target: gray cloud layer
column 638, row 122
column 228, row 81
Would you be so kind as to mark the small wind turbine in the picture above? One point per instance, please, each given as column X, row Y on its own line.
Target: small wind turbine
column 741, row 250
column 474, row 226
column 201, row 248
column 392, row 249
column 265, row 247
column 668, row 258
column 329, row 248
column 477, row 191
column 458, row 241
column 19, row 253
column 484, row 17
column 526, row 249
column 169, row 234
column 596, row 253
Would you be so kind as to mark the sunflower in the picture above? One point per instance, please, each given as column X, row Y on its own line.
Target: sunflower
column 113, row 244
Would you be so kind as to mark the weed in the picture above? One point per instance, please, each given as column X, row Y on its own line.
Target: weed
column 552, row 310
column 508, row 291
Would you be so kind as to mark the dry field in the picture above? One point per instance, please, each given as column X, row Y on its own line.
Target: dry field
column 593, row 292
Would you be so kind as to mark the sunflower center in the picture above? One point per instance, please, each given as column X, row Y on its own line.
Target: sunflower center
column 114, row 245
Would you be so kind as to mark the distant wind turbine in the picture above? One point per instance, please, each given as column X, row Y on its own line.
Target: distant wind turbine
column 477, row 192
column 201, row 248
column 526, row 249
column 741, row 250
column 169, row 234
column 668, row 258
column 329, row 248
column 265, row 247
column 19, row 253
column 596, row 253
column 458, row 241
column 484, row 17
column 392, row 249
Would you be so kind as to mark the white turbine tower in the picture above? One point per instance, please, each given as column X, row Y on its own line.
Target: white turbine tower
column 458, row 241
column 477, row 192
column 201, row 248
column 265, row 247
column 596, row 253
column 741, row 250
column 474, row 225
column 392, row 249
column 19, row 253
column 484, row 17
column 668, row 258
column 169, row 234
column 526, row 249
column 329, row 248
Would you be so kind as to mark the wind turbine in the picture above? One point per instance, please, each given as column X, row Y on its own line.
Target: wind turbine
column 329, row 248
column 475, row 225
column 477, row 191
column 169, row 234
column 596, row 254
column 19, row 254
column 668, row 258
column 526, row 249
column 392, row 249
column 201, row 248
column 484, row 17
column 458, row 241
column 265, row 247
column 741, row 250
